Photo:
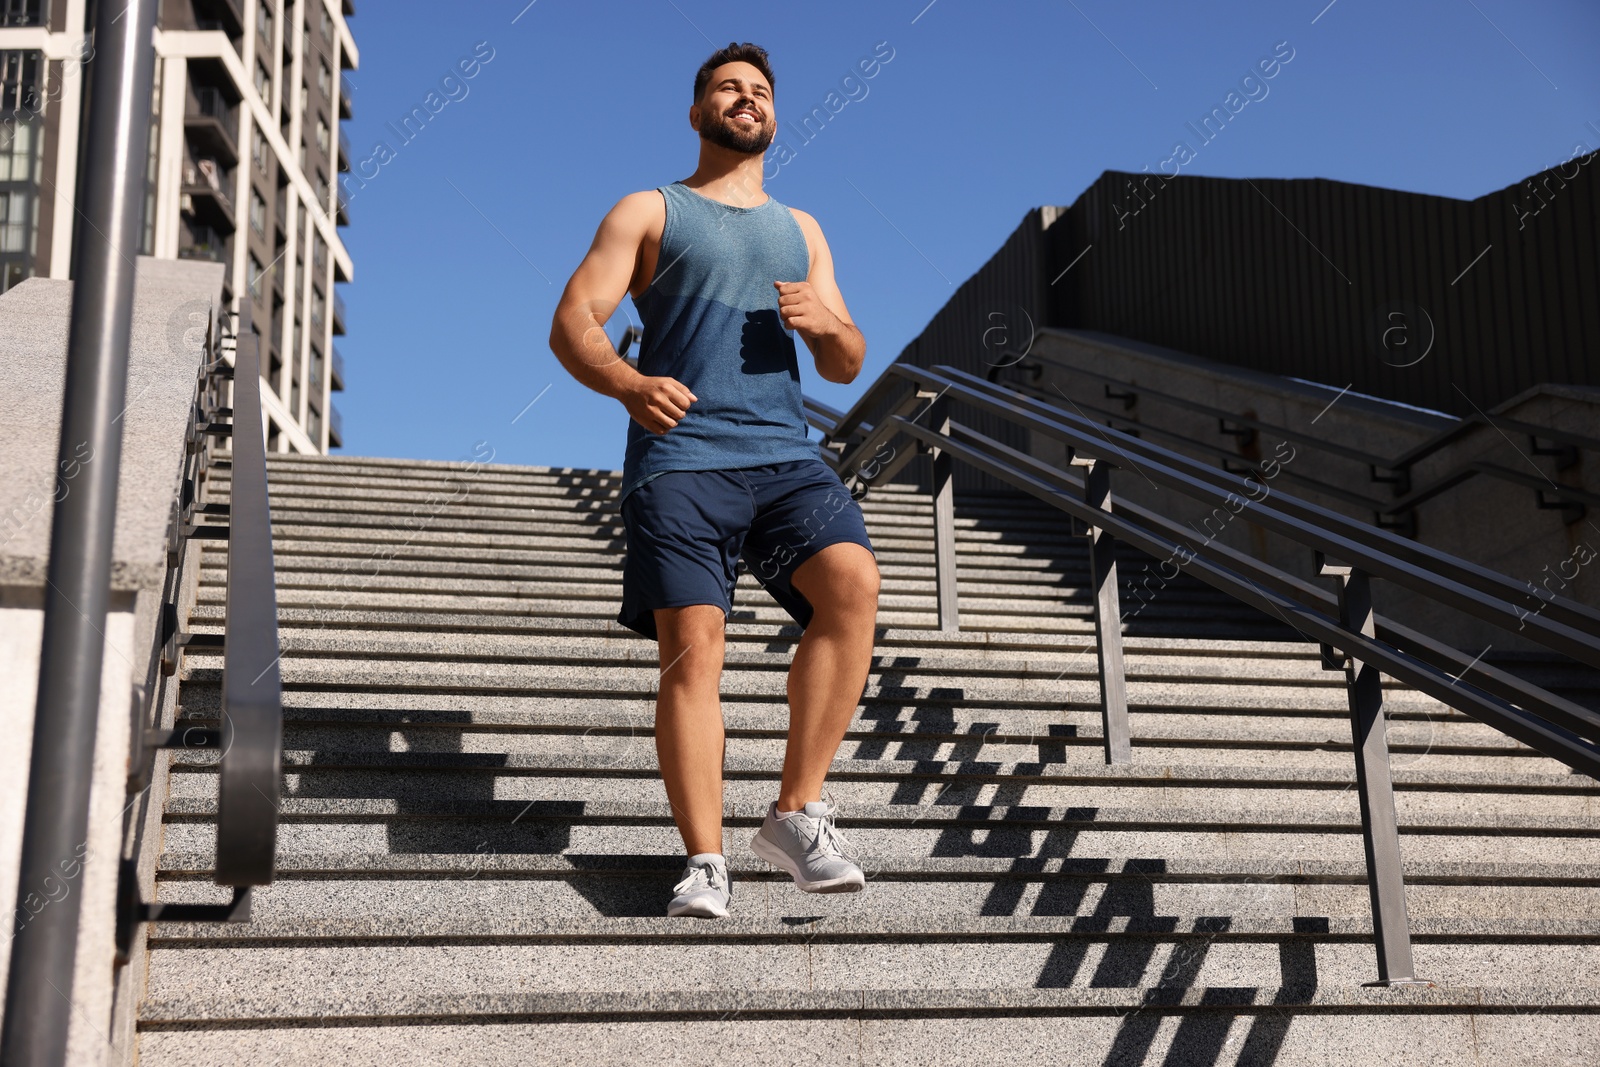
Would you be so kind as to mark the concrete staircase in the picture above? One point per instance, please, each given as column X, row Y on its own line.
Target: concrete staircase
column 476, row 851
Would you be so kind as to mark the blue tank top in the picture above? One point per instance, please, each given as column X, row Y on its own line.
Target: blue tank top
column 711, row 321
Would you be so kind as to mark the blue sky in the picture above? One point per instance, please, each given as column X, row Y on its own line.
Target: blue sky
column 464, row 236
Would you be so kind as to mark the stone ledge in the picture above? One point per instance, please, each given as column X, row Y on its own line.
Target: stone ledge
column 164, row 361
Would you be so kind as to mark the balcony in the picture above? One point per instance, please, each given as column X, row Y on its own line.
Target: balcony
column 336, row 366
column 210, row 123
column 338, row 314
column 207, row 243
column 341, row 216
column 25, row 13
column 224, row 15
column 335, row 428
column 202, row 196
column 346, row 91
column 344, row 150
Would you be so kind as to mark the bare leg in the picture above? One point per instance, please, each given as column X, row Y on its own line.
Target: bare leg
column 830, row 665
column 690, row 742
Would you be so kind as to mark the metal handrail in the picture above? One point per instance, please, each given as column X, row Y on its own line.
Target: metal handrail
column 39, row 997
column 1457, row 582
column 915, row 403
column 250, row 771
column 1399, row 468
column 250, row 734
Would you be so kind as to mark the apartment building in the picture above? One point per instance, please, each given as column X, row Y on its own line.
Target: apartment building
column 245, row 149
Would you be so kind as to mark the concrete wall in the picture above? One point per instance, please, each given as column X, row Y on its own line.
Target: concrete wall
column 173, row 303
column 1486, row 520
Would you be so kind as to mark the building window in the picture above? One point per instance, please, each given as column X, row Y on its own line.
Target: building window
column 327, row 24
column 319, row 252
column 147, row 225
column 28, row 13
column 264, row 19
column 324, row 137
column 264, row 83
column 324, row 79
column 20, row 164
column 256, row 271
column 258, row 212
column 14, row 212
column 258, row 147
column 319, row 305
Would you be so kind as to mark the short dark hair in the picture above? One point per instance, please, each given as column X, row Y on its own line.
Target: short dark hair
column 749, row 53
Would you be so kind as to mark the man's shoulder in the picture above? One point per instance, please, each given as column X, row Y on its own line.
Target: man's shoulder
column 643, row 200
column 641, row 212
column 808, row 224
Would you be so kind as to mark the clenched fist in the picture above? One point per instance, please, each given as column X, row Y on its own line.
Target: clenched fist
column 801, row 309
column 658, row 403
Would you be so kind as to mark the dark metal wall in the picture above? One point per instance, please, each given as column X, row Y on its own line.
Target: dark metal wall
column 1422, row 299
column 995, row 309
column 1446, row 304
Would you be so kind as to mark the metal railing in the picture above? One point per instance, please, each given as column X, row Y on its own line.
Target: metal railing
column 210, row 103
column 1396, row 511
column 916, row 405
column 40, row 989
column 249, row 733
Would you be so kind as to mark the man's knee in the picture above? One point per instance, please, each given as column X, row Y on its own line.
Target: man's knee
column 842, row 578
column 690, row 639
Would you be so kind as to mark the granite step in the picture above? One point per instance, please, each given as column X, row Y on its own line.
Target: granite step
column 383, row 978
column 637, row 760
column 1143, row 663
column 1223, row 722
column 421, row 788
column 1289, row 1026
column 973, row 819
column 511, row 927
column 886, row 847
column 476, row 846
column 952, row 900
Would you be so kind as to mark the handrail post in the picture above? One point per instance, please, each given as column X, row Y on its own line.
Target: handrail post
column 39, row 994
column 944, row 520
column 1107, row 617
column 1374, row 786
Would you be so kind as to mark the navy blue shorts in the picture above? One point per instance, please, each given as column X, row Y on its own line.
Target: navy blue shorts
column 687, row 531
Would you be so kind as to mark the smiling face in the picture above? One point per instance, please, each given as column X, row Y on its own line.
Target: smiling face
column 736, row 111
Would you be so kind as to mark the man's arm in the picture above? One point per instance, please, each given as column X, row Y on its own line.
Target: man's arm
column 577, row 333
column 815, row 309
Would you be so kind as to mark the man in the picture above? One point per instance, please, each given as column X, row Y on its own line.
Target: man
column 718, row 467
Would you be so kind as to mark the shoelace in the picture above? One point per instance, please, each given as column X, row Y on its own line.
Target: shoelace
column 704, row 876
column 829, row 837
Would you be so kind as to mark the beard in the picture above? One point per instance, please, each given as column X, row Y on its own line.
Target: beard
column 734, row 136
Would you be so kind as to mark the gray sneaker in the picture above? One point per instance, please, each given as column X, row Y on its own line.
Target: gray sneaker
column 705, row 889
column 810, row 848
